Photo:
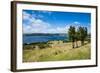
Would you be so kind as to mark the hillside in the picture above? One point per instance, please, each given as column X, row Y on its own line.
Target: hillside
column 57, row 52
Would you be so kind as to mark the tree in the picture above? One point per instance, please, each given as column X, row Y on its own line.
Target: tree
column 71, row 33
column 82, row 34
column 76, row 38
column 86, row 32
column 89, row 38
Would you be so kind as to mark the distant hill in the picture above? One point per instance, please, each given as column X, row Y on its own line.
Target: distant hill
column 44, row 34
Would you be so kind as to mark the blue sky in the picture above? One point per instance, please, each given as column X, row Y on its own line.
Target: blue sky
column 35, row 21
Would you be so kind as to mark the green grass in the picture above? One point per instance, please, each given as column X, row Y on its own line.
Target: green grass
column 58, row 52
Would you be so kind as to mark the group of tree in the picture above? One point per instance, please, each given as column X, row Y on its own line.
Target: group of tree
column 79, row 34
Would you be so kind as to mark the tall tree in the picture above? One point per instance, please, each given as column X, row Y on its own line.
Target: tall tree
column 71, row 33
column 86, row 32
column 76, row 38
column 82, row 34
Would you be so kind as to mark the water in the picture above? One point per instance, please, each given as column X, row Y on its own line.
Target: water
column 42, row 38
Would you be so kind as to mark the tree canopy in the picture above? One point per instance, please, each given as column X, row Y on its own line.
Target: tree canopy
column 80, row 34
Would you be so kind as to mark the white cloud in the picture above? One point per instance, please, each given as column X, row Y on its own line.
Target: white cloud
column 47, row 12
column 25, row 15
column 38, row 26
column 76, row 22
column 35, row 25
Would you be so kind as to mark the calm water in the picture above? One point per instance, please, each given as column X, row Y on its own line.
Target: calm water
column 37, row 38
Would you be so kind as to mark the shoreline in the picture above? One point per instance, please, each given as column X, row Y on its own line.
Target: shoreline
column 46, row 42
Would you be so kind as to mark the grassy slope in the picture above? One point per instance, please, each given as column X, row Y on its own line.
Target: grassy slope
column 57, row 52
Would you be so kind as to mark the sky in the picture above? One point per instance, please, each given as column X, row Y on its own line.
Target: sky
column 36, row 21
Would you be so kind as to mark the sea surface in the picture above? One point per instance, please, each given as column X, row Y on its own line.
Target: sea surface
column 42, row 38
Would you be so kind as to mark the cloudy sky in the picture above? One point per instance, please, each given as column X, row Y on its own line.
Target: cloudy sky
column 35, row 21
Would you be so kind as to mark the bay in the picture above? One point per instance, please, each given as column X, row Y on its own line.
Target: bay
column 43, row 38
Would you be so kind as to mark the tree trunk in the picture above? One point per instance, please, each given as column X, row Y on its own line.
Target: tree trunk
column 76, row 44
column 82, row 42
column 72, row 44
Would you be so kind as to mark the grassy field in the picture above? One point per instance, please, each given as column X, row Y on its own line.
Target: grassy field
column 57, row 51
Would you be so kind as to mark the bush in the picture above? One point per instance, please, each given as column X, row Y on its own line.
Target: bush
column 41, row 45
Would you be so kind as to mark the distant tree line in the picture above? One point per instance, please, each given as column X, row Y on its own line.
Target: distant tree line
column 81, row 34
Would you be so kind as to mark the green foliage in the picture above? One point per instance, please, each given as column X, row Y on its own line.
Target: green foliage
column 71, row 33
column 88, row 38
column 40, row 45
column 80, row 34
